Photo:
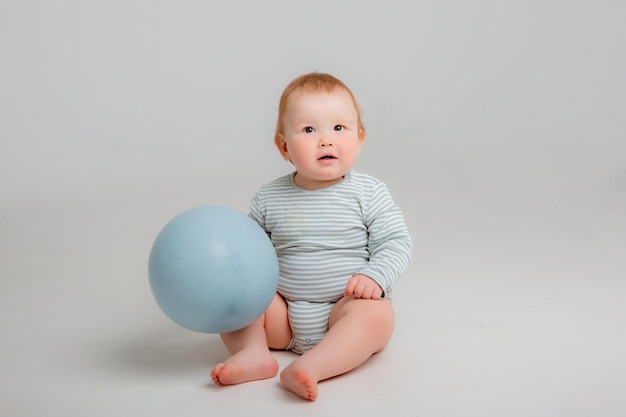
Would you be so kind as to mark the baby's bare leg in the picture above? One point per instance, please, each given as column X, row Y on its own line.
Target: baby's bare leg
column 358, row 328
column 250, row 358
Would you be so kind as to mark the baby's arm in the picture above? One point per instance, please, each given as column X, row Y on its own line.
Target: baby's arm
column 390, row 242
column 362, row 286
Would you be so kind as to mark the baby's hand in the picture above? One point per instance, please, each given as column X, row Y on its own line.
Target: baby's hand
column 362, row 286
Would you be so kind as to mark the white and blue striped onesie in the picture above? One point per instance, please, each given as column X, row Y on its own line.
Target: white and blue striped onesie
column 323, row 237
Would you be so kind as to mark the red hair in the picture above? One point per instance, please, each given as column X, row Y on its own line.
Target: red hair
column 313, row 82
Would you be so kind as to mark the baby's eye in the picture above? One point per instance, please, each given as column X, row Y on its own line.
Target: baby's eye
column 309, row 129
column 339, row 128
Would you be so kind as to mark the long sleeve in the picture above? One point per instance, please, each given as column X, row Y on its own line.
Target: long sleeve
column 390, row 244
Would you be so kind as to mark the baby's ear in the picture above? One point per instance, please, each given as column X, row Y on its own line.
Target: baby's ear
column 362, row 136
column 281, row 145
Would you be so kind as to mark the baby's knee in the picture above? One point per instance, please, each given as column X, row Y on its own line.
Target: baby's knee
column 381, row 313
column 380, row 322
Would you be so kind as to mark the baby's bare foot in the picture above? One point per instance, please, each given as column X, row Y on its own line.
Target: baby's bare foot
column 300, row 382
column 244, row 366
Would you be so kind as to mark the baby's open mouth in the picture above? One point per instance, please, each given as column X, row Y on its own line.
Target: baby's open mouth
column 327, row 157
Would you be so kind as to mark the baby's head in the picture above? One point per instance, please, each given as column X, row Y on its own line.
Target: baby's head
column 313, row 82
column 319, row 129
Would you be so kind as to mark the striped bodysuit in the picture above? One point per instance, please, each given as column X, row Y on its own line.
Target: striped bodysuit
column 323, row 237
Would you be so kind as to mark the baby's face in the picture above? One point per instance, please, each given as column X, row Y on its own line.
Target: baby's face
column 321, row 136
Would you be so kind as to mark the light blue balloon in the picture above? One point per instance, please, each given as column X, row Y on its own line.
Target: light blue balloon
column 213, row 269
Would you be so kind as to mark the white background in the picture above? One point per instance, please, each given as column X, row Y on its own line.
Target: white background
column 500, row 128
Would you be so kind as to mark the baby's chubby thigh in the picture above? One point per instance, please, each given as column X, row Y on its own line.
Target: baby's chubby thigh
column 276, row 324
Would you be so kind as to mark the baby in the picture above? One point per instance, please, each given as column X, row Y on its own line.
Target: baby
column 341, row 243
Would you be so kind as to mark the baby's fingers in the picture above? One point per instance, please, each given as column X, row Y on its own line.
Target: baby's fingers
column 360, row 286
column 351, row 287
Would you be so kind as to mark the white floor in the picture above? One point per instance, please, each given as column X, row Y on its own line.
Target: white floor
column 510, row 308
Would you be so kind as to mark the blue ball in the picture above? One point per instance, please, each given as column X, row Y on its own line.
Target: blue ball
column 213, row 270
